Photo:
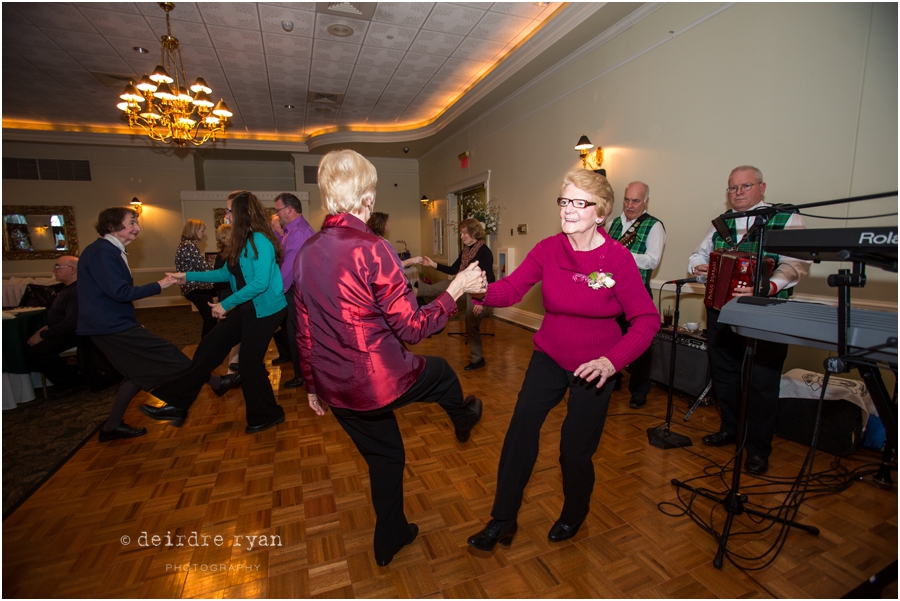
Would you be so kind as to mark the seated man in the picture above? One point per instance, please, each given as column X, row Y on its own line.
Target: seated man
column 58, row 335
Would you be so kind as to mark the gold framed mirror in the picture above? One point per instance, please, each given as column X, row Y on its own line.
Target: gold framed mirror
column 38, row 232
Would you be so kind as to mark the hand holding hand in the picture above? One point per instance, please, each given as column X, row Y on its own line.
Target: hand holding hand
column 316, row 405
column 178, row 278
column 217, row 310
column 428, row 262
column 167, row 281
column 474, row 281
column 602, row 367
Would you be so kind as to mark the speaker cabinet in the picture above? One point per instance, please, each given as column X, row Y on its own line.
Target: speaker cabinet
column 840, row 429
column 691, row 362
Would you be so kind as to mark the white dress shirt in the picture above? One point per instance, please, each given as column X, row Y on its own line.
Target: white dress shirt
column 788, row 270
column 656, row 242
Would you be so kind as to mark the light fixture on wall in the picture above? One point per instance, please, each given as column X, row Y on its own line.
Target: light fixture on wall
column 137, row 205
column 425, row 202
column 171, row 114
column 590, row 160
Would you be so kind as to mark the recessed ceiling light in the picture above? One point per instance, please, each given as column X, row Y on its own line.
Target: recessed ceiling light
column 140, row 50
column 340, row 30
column 289, row 106
column 287, row 25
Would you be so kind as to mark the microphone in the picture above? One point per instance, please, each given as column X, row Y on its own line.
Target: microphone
column 722, row 229
column 700, row 279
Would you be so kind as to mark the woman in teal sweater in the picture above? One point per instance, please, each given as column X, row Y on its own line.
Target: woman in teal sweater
column 249, row 316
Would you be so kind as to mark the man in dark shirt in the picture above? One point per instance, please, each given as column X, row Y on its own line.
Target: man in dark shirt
column 58, row 335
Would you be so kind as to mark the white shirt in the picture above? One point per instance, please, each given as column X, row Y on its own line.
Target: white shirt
column 656, row 242
column 121, row 247
column 788, row 271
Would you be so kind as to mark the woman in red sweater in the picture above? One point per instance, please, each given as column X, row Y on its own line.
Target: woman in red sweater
column 588, row 280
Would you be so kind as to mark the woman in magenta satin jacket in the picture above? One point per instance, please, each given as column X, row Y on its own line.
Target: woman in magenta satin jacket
column 355, row 311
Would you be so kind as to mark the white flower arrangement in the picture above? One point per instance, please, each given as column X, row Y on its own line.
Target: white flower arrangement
column 487, row 213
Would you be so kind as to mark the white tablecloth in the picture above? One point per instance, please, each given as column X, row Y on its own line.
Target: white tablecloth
column 19, row 388
column 12, row 294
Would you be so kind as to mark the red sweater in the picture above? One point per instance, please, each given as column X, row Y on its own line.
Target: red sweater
column 580, row 322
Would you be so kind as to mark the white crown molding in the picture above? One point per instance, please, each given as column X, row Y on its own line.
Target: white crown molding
column 222, row 195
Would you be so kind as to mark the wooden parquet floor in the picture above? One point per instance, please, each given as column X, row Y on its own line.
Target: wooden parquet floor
column 291, row 507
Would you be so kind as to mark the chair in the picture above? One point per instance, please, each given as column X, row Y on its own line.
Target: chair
column 69, row 353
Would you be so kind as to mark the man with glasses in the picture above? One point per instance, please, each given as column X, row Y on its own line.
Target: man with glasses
column 58, row 335
column 296, row 232
column 746, row 190
column 645, row 236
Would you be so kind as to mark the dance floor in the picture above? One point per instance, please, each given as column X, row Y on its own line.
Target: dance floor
column 291, row 509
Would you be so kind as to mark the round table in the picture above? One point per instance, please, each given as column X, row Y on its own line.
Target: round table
column 17, row 381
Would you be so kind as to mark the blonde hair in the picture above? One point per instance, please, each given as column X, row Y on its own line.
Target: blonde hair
column 223, row 235
column 346, row 182
column 595, row 185
column 191, row 229
column 473, row 227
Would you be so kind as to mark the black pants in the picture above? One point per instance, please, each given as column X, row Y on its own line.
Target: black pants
column 286, row 337
column 44, row 357
column 544, row 387
column 377, row 437
column 201, row 299
column 726, row 356
column 240, row 325
column 639, row 370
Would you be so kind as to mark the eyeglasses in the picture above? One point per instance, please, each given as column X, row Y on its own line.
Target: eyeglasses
column 743, row 187
column 55, row 267
column 228, row 211
column 282, row 208
column 578, row 203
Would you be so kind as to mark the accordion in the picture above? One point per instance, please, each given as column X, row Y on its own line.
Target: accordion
column 730, row 269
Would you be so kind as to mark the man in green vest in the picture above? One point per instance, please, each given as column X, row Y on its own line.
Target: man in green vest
column 645, row 236
column 746, row 190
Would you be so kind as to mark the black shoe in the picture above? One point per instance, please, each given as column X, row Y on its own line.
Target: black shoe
column 757, row 464
column 495, row 532
column 295, row 383
column 561, row 532
column 226, row 383
column 719, row 439
column 476, row 365
column 474, row 408
column 279, row 360
column 413, row 533
column 166, row 413
column 261, row 427
column 637, row 402
column 123, row 430
column 234, row 367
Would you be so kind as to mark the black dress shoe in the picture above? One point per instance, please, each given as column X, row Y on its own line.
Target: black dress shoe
column 280, row 360
column 637, row 402
column 757, row 464
column 234, row 367
column 166, row 413
column 261, row 427
column 295, row 383
column 226, row 383
column 474, row 408
column 561, row 532
column 476, row 365
column 123, row 430
column 495, row 532
column 413, row 533
column 718, row 439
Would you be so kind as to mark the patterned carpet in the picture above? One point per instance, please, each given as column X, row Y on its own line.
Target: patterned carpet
column 41, row 435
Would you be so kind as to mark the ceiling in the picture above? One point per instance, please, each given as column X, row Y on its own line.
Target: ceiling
column 407, row 67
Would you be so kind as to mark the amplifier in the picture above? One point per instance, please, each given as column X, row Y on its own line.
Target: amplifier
column 691, row 362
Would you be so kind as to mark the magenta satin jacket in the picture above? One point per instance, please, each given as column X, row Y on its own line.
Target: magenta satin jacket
column 355, row 309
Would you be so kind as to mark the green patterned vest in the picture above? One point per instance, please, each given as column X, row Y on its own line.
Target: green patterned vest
column 776, row 222
column 638, row 245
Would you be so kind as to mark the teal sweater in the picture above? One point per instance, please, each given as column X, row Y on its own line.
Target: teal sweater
column 264, row 286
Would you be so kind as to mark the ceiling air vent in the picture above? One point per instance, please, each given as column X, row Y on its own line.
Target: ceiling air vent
column 356, row 10
column 310, row 174
column 325, row 98
column 46, row 169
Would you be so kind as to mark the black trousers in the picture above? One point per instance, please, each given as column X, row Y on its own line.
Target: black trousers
column 377, row 437
column 726, row 356
column 201, row 299
column 544, row 387
column 44, row 357
column 639, row 383
column 240, row 325
column 286, row 337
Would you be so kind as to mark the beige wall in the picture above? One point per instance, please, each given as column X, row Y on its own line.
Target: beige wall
column 806, row 92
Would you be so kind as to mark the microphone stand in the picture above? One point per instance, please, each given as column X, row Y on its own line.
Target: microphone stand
column 661, row 437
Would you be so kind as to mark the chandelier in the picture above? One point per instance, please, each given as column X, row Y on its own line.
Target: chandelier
column 162, row 106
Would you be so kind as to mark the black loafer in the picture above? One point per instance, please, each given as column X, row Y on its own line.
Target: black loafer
column 226, row 383
column 476, row 365
column 718, row 439
column 474, row 408
column 261, row 427
column 495, row 532
column 637, row 402
column 757, row 464
column 280, row 360
column 166, row 413
column 413, row 533
column 123, row 430
column 295, row 383
column 561, row 532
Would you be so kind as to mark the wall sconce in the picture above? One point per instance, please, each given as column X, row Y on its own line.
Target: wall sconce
column 425, row 202
column 583, row 147
column 137, row 205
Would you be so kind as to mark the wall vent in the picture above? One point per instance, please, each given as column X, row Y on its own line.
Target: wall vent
column 310, row 174
column 46, row 169
column 325, row 98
